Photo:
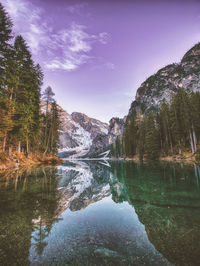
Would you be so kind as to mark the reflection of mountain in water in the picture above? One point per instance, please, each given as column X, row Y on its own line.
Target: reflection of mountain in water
column 68, row 215
column 84, row 183
column 166, row 198
column 94, row 230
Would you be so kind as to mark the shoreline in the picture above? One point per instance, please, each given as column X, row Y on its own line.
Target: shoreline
column 172, row 158
column 15, row 161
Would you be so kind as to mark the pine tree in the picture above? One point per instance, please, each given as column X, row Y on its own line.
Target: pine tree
column 152, row 146
column 26, row 95
column 5, row 48
column 180, row 117
column 195, row 114
column 165, row 130
column 141, row 139
column 130, row 137
column 48, row 97
column 55, row 128
column 52, row 122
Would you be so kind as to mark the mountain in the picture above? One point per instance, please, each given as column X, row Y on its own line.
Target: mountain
column 83, row 183
column 167, row 80
column 101, row 143
column 83, row 137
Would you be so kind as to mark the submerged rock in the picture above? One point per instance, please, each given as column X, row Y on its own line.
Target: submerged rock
column 105, row 252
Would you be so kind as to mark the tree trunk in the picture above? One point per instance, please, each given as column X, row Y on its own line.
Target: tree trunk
column 170, row 139
column 19, row 148
column 48, row 142
column 52, row 138
column 191, row 143
column 10, row 151
column 11, row 94
column 27, row 147
column 4, row 143
column 194, row 140
column 179, row 149
column 45, row 134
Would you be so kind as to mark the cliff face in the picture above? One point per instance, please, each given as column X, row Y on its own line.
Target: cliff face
column 87, row 137
column 116, row 128
column 78, row 132
column 82, row 136
column 101, row 143
column 160, row 86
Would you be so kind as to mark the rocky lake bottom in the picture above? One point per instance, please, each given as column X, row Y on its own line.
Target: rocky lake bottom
column 101, row 213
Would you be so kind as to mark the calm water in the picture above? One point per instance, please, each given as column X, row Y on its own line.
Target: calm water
column 101, row 213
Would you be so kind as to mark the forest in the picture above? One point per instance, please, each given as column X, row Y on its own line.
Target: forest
column 29, row 119
column 171, row 130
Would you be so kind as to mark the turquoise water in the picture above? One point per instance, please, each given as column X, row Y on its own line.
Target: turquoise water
column 101, row 213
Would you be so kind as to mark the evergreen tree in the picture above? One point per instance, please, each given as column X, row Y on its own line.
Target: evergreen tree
column 27, row 94
column 180, row 116
column 5, row 48
column 152, row 146
column 165, row 130
column 55, row 127
column 130, row 137
column 195, row 114
column 21, row 123
column 5, row 37
column 141, row 139
column 52, row 122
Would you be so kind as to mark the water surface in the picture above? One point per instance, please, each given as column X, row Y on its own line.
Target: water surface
column 101, row 213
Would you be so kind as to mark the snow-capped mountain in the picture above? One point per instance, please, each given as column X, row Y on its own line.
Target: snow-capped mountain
column 82, row 184
column 85, row 137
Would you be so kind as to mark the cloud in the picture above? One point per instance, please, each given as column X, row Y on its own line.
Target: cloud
column 27, row 20
column 69, row 62
column 75, row 45
column 103, row 64
column 77, row 8
column 110, row 65
column 65, row 48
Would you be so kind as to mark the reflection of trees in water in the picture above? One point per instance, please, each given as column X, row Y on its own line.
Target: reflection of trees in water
column 39, row 238
column 28, row 201
column 158, row 193
column 162, row 184
column 96, row 180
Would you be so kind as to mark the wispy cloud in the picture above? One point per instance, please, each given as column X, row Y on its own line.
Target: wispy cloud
column 76, row 8
column 28, row 22
column 75, row 45
column 65, row 49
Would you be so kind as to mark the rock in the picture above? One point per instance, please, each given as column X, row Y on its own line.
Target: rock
column 116, row 128
column 85, row 137
column 167, row 81
column 105, row 252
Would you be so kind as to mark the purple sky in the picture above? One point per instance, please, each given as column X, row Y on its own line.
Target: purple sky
column 95, row 54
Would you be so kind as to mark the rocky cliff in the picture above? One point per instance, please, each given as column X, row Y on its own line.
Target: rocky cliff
column 85, row 137
column 101, row 143
column 167, row 80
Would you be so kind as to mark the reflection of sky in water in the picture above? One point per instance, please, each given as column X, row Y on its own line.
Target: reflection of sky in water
column 101, row 228
column 102, row 232
column 86, row 213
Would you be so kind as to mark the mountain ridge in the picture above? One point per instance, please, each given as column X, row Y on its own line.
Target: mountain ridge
column 85, row 137
column 167, row 80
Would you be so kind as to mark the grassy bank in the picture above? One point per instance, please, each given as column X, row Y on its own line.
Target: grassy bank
column 20, row 160
column 185, row 156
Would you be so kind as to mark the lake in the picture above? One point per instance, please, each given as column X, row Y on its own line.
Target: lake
column 101, row 213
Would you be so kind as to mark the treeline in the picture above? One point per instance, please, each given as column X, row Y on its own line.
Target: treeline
column 24, row 125
column 173, row 129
